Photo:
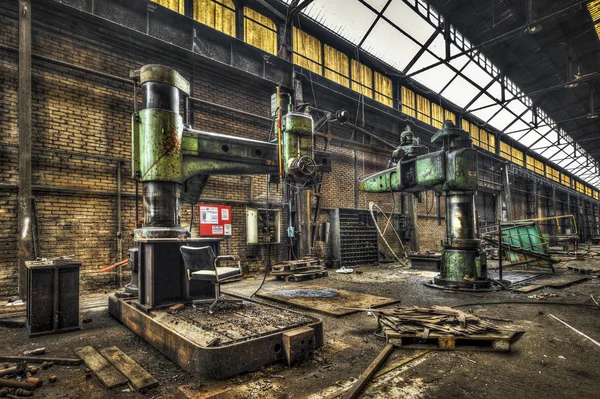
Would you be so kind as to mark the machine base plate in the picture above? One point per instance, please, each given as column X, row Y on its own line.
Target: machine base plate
column 222, row 345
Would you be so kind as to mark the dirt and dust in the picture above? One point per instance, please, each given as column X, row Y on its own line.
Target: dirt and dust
column 549, row 361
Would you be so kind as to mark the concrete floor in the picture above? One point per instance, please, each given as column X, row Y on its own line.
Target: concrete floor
column 549, row 361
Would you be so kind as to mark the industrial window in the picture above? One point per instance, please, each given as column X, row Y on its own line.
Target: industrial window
column 594, row 9
column 218, row 14
column 535, row 165
column 175, row 5
column 408, row 102
column 336, row 66
column 362, row 79
column 487, row 140
column 260, row 31
column 423, row 109
column 565, row 180
column 473, row 131
column 517, row 157
column 449, row 116
column 383, row 89
column 579, row 187
column 596, row 196
column 504, row 150
column 483, row 139
column 307, row 51
column 437, row 115
column 588, row 191
column 552, row 173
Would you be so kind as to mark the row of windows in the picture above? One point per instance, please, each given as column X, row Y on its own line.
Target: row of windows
column 308, row 52
column 322, row 59
column 481, row 138
column 424, row 110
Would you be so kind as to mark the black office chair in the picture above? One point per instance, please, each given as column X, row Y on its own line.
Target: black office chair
column 201, row 263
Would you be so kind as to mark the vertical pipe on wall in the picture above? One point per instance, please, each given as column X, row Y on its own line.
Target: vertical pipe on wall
column 25, row 249
column 119, row 226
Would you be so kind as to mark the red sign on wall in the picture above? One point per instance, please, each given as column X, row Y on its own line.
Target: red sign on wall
column 215, row 220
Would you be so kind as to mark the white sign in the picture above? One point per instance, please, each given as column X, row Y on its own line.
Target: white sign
column 209, row 215
column 217, row 230
column 227, row 229
column 224, row 214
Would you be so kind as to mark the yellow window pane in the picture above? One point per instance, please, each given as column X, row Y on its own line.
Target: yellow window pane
column 383, row 89
column 505, row 151
column 175, row 5
column 594, row 9
column 423, row 109
column 260, row 31
column 307, row 51
column 337, row 66
column 408, row 102
column 491, row 142
column 437, row 115
column 362, row 79
column 449, row 116
column 218, row 14
column 565, row 180
column 466, row 126
column 530, row 163
column 517, row 157
column 474, row 133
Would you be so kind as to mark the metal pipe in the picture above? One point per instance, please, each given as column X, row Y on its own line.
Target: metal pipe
column 499, row 250
column 24, row 116
column 16, row 384
column 119, row 226
column 279, row 146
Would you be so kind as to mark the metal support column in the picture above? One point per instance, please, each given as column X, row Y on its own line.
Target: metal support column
column 412, row 215
column 25, row 252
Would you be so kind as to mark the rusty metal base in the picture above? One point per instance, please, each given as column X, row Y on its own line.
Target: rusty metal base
column 467, row 286
column 208, row 362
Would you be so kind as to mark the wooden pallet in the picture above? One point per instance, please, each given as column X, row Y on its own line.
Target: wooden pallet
column 299, row 276
column 496, row 342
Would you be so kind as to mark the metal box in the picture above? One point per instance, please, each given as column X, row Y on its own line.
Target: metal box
column 52, row 296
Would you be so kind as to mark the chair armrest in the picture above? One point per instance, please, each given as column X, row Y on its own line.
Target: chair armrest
column 233, row 258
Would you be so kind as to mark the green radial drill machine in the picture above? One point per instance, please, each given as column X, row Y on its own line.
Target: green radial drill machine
column 452, row 172
column 173, row 162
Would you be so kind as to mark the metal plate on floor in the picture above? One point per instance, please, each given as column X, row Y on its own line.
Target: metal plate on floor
column 326, row 300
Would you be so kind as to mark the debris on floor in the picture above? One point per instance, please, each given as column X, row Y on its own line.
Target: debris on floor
column 442, row 328
column 295, row 270
column 114, row 368
column 543, row 295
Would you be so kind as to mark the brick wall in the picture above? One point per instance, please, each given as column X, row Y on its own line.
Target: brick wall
column 81, row 131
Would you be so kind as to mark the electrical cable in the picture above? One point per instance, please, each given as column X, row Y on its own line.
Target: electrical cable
column 374, row 205
column 268, row 265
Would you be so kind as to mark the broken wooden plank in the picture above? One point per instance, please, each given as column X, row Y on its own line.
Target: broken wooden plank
column 140, row 378
column 369, row 372
column 528, row 288
column 176, row 308
column 106, row 372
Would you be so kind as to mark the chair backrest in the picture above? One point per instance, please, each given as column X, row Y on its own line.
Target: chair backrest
column 198, row 258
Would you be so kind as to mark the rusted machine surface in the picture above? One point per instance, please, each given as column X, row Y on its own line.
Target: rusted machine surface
column 231, row 341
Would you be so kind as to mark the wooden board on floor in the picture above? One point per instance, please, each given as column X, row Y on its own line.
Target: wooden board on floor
column 528, row 288
column 329, row 305
column 560, row 281
column 140, row 378
column 106, row 372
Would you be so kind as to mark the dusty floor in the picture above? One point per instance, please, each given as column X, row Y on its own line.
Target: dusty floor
column 549, row 361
